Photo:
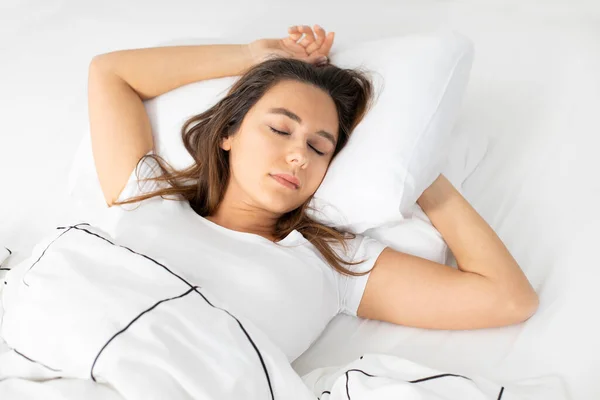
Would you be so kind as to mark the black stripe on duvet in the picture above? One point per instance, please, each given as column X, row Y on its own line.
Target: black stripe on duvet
column 437, row 377
column 131, row 323
column 501, row 393
column 35, row 362
column 415, row 381
column 192, row 288
column 135, row 252
column 44, row 252
column 262, row 362
column 348, row 379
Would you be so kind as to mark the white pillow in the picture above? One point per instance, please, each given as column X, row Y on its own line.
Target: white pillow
column 399, row 148
column 415, row 234
column 393, row 155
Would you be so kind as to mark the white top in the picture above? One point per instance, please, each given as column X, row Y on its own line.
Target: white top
column 287, row 288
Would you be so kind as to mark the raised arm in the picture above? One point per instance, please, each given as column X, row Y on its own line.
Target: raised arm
column 118, row 83
column 487, row 290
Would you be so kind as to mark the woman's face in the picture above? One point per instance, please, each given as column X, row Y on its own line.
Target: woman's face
column 307, row 118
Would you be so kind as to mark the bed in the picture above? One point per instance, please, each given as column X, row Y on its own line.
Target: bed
column 534, row 92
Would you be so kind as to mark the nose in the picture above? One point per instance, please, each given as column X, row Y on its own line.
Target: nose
column 297, row 155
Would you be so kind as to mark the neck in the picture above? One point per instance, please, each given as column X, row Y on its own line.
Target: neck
column 241, row 222
column 243, row 217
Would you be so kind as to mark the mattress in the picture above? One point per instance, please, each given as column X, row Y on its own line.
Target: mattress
column 534, row 92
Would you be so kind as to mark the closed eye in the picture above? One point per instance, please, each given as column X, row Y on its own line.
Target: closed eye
column 279, row 132
column 287, row 134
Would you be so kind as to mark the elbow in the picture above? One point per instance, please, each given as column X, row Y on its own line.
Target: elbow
column 96, row 68
column 520, row 309
column 103, row 63
column 98, row 63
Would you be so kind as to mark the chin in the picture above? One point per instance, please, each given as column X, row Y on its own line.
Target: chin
column 279, row 202
column 284, row 209
column 277, row 206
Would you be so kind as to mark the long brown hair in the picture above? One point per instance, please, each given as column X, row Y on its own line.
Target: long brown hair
column 351, row 91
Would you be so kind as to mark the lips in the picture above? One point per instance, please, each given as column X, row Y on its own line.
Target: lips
column 287, row 180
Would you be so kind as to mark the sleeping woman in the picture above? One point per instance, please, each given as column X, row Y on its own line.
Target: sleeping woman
column 260, row 154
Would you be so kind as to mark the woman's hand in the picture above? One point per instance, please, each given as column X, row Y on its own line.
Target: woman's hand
column 313, row 48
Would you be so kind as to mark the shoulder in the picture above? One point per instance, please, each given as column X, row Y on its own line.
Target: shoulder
column 360, row 247
column 356, row 248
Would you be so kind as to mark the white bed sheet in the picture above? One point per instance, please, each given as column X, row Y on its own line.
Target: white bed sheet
column 534, row 91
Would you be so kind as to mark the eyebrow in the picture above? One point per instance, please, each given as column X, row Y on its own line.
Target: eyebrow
column 291, row 115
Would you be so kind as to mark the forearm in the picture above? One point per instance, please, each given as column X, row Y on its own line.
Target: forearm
column 154, row 71
column 473, row 242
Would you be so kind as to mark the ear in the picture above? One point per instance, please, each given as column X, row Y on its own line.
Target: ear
column 226, row 143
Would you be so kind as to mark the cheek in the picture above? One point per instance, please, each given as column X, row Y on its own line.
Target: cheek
column 252, row 154
column 317, row 174
column 258, row 145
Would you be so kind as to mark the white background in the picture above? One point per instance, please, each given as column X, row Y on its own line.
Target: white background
column 534, row 91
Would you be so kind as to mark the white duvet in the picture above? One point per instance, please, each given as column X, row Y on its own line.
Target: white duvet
column 83, row 307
